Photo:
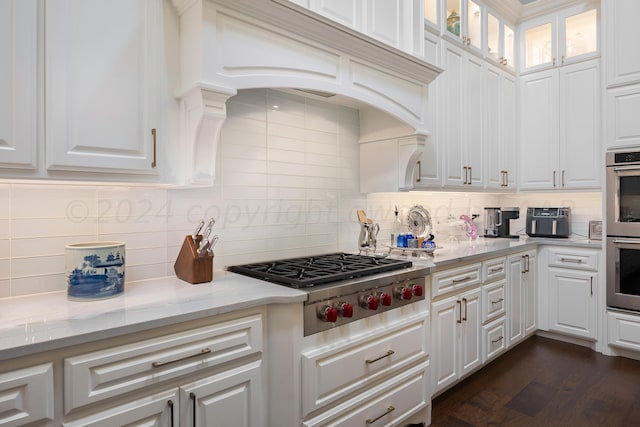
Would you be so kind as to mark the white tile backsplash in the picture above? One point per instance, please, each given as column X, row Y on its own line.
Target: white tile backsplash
column 287, row 185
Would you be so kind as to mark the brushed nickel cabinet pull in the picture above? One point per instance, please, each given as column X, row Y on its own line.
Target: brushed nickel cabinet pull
column 387, row 354
column 459, row 304
column 168, row 362
column 464, row 279
column 497, row 301
column 389, row 410
column 154, row 133
column 527, row 263
column 464, row 300
column 523, row 264
column 495, row 269
column 573, row 260
column 563, row 59
column 563, row 179
column 554, row 179
column 419, row 171
column 591, row 280
column 554, row 60
column 466, row 174
column 497, row 340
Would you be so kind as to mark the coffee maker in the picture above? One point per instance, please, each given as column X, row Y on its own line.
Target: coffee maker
column 497, row 221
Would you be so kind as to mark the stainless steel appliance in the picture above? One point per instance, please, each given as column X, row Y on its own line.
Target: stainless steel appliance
column 498, row 221
column 623, row 272
column 623, row 194
column 548, row 222
column 343, row 288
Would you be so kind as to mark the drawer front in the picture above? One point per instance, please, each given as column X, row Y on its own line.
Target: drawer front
column 494, row 269
column 443, row 282
column 106, row 373
column 494, row 339
column 494, row 298
column 575, row 259
column 26, row 395
column 332, row 372
column 386, row 404
column 624, row 331
column 155, row 410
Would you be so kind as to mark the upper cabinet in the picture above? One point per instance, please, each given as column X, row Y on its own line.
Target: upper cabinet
column 432, row 15
column 566, row 37
column 500, row 41
column 464, row 22
column 18, row 85
column 102, row 87
column 622, row 33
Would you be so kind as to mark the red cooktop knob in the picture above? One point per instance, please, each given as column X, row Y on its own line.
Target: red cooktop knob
column 404, row 293
column 418, row 290
column 370, row 302
column 346, row 310
column 328, row 314
column 385, row 298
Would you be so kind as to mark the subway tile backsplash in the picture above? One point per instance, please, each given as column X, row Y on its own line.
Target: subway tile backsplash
column 287, row 184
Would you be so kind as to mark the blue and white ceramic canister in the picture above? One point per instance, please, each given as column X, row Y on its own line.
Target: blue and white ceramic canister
column 95, row 270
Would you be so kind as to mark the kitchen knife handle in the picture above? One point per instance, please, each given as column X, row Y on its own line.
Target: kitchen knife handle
column 154, row 132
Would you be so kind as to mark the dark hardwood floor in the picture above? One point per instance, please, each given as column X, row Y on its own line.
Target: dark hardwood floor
column 544, row 382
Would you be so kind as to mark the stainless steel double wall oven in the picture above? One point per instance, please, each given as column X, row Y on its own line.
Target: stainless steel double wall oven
column 623, row 230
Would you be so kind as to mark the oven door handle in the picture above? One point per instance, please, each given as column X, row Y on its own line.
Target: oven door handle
column 626, row 168
column 627, row 242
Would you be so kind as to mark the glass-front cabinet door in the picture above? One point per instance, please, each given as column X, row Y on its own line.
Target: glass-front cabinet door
column 508, row 46
column 539, row 46
column 500, row 41
column 431, row 15
column 580, row 34
column 464, row 22
column 493, row 36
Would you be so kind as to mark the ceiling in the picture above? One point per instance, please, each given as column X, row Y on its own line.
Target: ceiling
column 526, row 1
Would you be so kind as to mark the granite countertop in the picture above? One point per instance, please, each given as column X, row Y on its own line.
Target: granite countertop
column 44, row 322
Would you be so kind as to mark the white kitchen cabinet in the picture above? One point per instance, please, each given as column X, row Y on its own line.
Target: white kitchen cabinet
column 501, row 134
column 26, row 395
column 19, row 83
column 102, row 85
column 571, row 291
column 456, row 327
column 432, row 15
column 622, row 128
column 561, row 38
column 521, row 296
column 560, row 119
column 462, row 124
column 624, row 330
column 494, row 339
column 621, row 35
column 465, row 23
column 500, row 46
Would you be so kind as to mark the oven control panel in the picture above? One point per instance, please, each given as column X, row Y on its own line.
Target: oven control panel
column 336, row 311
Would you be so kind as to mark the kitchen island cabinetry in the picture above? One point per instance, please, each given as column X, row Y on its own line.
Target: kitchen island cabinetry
column 521, row 296
column 102, row 85
column 19, row 84
column 560, row 115
column 571, row 291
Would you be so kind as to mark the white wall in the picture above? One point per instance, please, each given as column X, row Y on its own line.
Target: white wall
column 287, row 185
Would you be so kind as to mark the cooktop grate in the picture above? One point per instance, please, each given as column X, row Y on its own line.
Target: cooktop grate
column 316, row 270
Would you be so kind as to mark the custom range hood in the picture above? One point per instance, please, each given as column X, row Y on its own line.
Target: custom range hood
column 228, row 45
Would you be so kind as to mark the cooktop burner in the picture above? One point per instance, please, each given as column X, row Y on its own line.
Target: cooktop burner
column 320, row 269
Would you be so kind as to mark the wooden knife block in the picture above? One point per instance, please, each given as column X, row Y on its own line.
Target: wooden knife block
column 191, row 267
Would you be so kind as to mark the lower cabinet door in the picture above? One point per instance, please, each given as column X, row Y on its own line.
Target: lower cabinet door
column 387, row 404
column 229, row 398
column 26, row 395
column 494, row 339
column 158, row 410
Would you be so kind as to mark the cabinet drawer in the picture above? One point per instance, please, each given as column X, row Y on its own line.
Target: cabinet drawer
column 572, row 258
column 331, row 372
column 26, row 395
column 386, row 404
column 106, row 373
column 443, row 282
column 624, row 330
column 494, row 269
column 494, row 339
column 494, row 297
column 154, row 410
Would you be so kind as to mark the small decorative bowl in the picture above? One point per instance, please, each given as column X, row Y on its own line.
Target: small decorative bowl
column 95, row 270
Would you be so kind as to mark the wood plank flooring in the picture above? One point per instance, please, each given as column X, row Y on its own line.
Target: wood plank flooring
column 544, row 382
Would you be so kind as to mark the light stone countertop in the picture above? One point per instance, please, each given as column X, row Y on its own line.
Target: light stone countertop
column 44, row 322
column 38, row 323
